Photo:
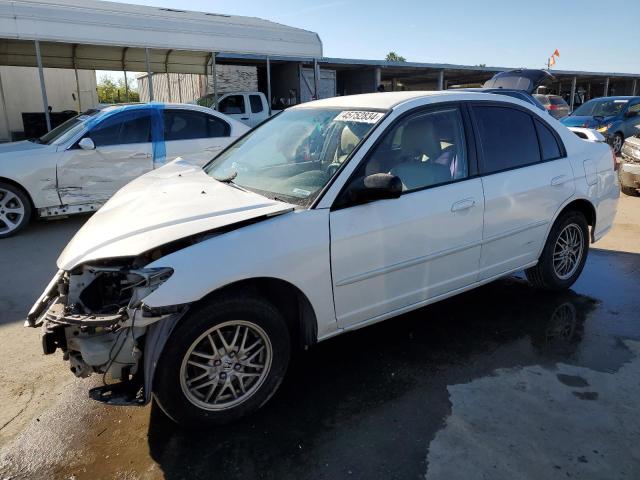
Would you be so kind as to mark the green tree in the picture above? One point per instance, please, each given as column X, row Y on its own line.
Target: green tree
column 394, row 57
column 115, row 92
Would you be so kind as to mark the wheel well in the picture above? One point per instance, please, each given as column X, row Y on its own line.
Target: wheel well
column 22, row 189
column 287, row 298
column 586, row 208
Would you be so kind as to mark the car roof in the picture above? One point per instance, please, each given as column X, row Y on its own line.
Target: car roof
column 618, row 97
column 388, row 100
column 164, row 105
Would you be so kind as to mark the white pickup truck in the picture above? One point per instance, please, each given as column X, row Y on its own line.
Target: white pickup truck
column 250, row 108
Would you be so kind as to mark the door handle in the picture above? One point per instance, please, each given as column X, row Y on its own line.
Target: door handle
column 465, row 204
column 244, row 118
column 559, row 180
column 213, row 148
column 140, row 155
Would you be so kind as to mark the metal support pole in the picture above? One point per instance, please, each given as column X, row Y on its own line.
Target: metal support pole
column 588, row 92
column 441, row 80
column 75, row 69
column 4, row 109
column 126, row 86
column 606, row 87
column 377, row 78
column 215, row 80
column 269, row 84
column 166, row 71
column 573, row 92
column 634, row 86
column 43, row 88
column 316, row 79
column 124, row 70
column 149, row 74
column 180, row 86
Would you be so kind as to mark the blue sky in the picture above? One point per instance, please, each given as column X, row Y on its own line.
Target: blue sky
column 590, row 35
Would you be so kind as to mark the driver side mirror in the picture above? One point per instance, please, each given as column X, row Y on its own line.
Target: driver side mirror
column 379, row 186
column 87, row 144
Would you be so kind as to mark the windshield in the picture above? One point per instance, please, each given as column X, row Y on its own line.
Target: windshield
column 601, row 108
column 67, row 130
column 294, row 155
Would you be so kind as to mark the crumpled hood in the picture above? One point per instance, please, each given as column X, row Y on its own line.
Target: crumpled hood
column 164, row 205
column 586, row 122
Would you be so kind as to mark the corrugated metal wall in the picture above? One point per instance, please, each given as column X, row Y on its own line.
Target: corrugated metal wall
column 185, row 88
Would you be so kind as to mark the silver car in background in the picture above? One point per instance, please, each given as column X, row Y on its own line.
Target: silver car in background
column 555, row 105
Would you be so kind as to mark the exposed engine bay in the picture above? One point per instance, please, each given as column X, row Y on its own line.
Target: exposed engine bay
column 96, row 315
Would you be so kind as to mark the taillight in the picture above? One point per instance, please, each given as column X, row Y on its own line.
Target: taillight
column 615, row 160
column 552, row 107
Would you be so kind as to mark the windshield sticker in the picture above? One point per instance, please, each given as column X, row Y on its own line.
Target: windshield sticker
column 300, row 192
column 359, row 116
column 620, row 101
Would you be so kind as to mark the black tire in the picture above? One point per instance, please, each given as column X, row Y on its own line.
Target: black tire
column 20, row 220
column 544, row 275
column 617, row 142
column 167, row 387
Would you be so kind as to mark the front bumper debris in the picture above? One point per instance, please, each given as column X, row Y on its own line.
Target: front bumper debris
column 96, row 316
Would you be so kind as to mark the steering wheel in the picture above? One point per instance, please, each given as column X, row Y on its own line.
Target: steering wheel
column 332, row 168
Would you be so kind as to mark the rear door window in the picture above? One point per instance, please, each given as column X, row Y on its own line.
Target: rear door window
column 188, row 124
column 256, row 103
column 507, row 137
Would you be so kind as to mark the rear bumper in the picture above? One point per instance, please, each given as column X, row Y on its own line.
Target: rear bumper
column 629, row 174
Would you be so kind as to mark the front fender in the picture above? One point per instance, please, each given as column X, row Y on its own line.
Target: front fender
column 293, row 248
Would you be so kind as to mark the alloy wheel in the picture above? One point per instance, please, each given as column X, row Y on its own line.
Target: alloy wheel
column 226, row 365
column 12, row 211
column 617, row 143
column 568, row 251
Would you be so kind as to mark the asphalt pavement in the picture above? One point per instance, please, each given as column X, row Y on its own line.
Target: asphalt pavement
column 501, row 382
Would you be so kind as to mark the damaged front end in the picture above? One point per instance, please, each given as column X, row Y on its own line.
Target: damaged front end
column 96, row 315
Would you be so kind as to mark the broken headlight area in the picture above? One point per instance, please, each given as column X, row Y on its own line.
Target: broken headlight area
column 96, row 315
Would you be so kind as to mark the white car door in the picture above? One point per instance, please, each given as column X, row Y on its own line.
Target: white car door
column 123, row 151
column 526, row 178
column 195, row 135
column 388, row 256
column 235, row 106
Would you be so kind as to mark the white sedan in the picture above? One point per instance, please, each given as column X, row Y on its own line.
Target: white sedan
column 194, row 285
column 79, row 165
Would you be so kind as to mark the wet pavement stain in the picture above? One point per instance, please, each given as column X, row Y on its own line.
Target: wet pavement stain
column 572, row 380
column 366, row 404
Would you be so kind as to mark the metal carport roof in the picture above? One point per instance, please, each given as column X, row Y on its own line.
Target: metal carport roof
column 97, row 35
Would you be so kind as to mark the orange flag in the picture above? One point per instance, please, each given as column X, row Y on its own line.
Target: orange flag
column 552, row 61
column 556, row 53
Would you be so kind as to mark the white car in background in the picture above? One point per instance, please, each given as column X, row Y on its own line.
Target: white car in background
column 194, row 285
column 79, row 165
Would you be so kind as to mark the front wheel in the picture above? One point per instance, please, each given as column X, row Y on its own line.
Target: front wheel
column 15, row 210
column 564, row 253
column 224, row 361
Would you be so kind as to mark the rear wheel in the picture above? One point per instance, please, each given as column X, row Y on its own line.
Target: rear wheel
column 564, row 253
column 224, row 361
column 15, row 210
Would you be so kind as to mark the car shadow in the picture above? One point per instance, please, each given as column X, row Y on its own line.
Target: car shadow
column 368, row 403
